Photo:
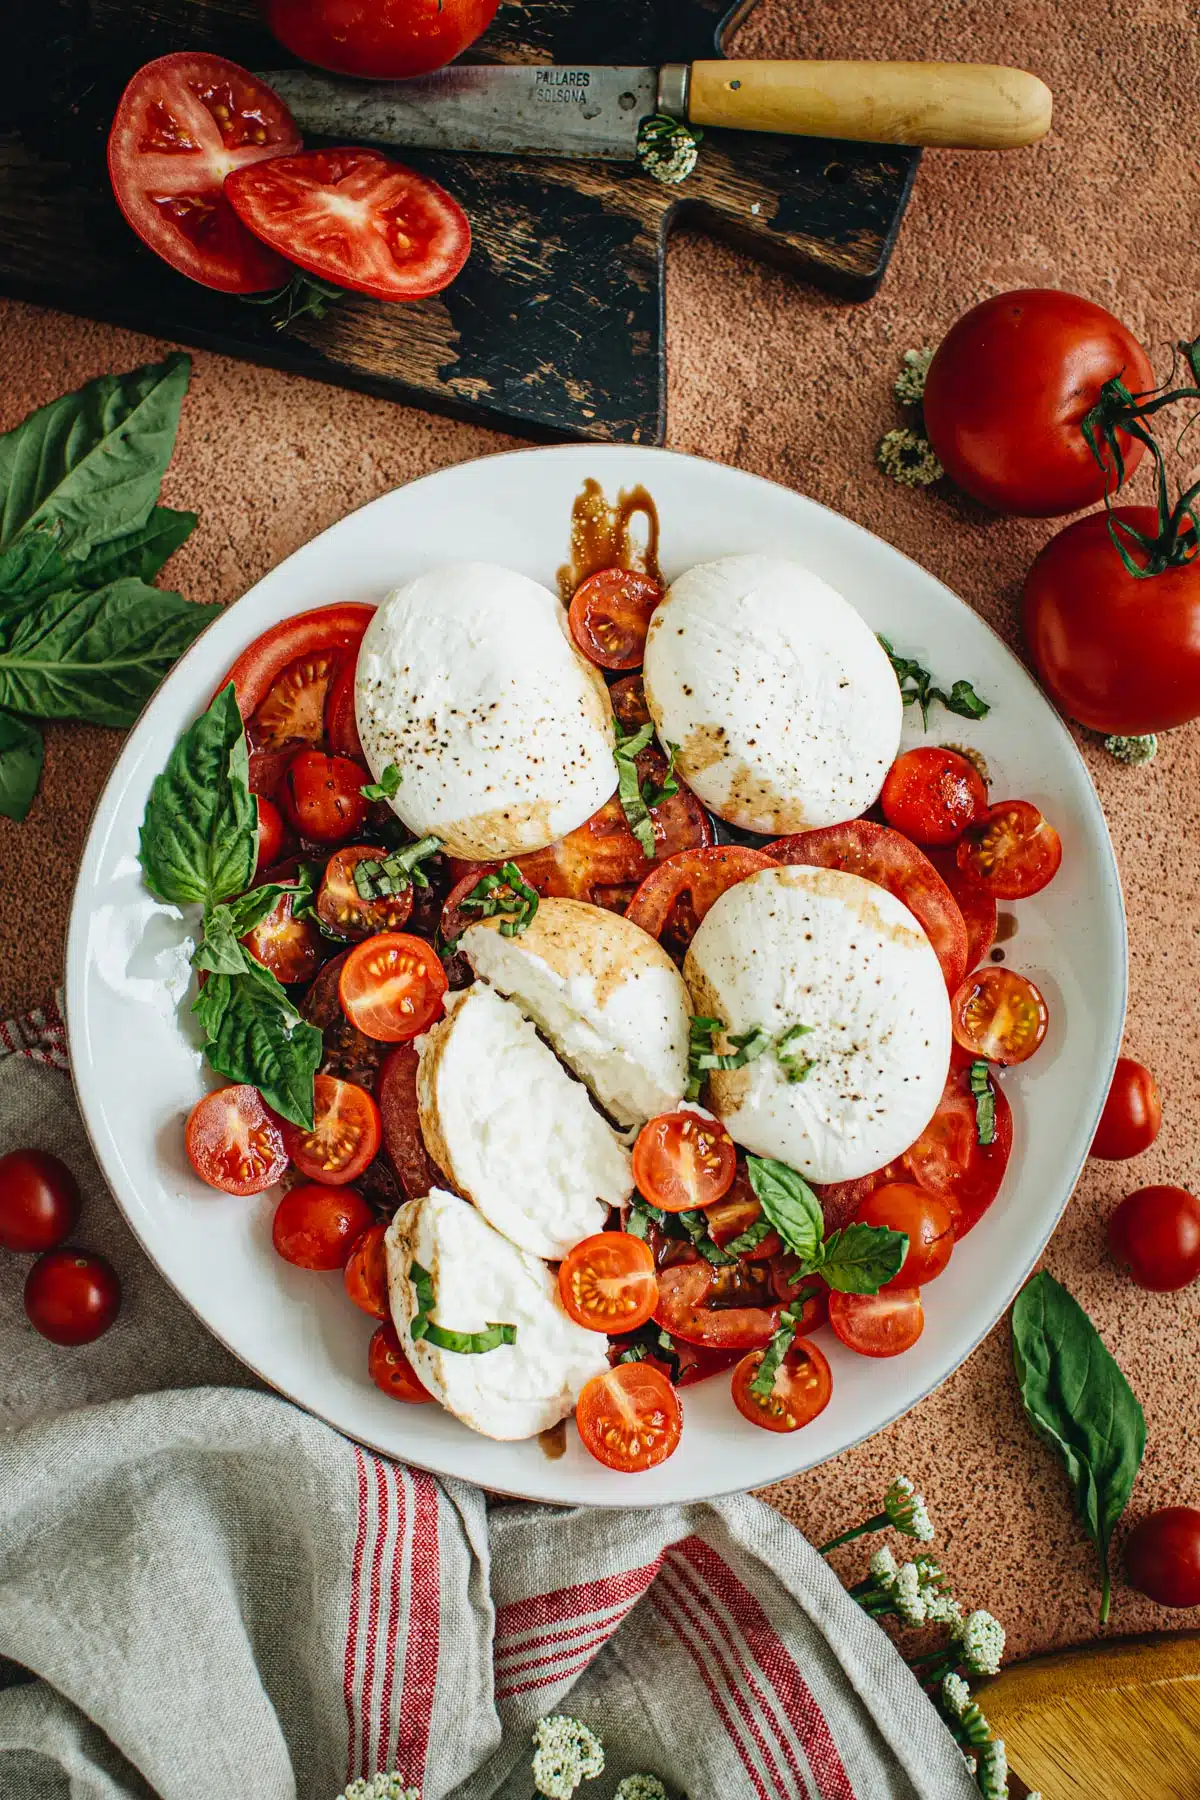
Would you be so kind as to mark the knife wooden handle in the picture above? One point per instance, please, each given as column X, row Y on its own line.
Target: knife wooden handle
column 969, row 106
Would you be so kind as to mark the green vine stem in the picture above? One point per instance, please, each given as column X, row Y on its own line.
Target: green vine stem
column 1119, row 411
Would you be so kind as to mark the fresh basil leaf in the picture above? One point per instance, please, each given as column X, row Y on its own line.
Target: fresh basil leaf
column 200, row 833
column 790, row 1205
column 97, row 656
column 464, row 1343
column 654, row 793
column 701, row 1032
column 384, row 877
column 695, row 1225
column 21, row 753
column 641, row 1216
column 385, row 788
column 651, row 1340
column 985, row 1103
column 860, row 1259
column 224, row 926
column 1078, row 1402
column 506, row 892
column 751, row 1238
column 88, row 467
column 963, row 700
column 140, row 553
column 256, row 1035
column 795, row 1065
column 30, row 570
column 629, row 793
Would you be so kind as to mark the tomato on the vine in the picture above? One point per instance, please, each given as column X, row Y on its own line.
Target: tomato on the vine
column 932, row 795
column 1155, row 1234
column 1132, row 1113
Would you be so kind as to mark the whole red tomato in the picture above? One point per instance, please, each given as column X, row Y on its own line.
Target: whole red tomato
column 1162, row 1556
column 1132, row 1113
column 39, row 1200
column 1155, row 1234
column 72, row 1296
column 1008, row 388
column 1117, row 653
column 390, row 39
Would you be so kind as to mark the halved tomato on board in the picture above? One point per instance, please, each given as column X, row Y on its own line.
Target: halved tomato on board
column 391, row 986
column 326, row 629
column 610, row 615
column 948, row 1160
column 881, row 855
column 183, row 123
column 675, row 896
column 730, row 1307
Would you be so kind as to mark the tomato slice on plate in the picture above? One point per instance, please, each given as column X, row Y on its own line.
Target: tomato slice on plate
column 293, row 712
column 327, row 629
column 948, row 1160
column 403, row 1144
column 391, row 987
column 601, row 860
column 342, row 907
column 355, row 218
column 978, row 909
column 341, row 721
column 881, row 855
column 675, row 896
column 999, row 1015
column 365, row 1274
column 607, row 1282
column 1012, row 852
column 235, row 1142
column 629, row 1417
column 730, row 1307
column 683, row 1160
column 735, row 1214
column 802, row 1388
column 182, row 124
column 345, row 1133
column 390, row 1369
column 882, row 1324
column 610, row 615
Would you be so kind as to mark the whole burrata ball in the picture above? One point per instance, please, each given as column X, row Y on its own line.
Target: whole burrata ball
column 779, row 696
column 469, row 684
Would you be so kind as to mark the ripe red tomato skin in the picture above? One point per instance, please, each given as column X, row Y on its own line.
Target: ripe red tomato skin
column 378, row 41
column 316, row 1227
column 1115, row 653
column 610, row 614
column 357, row 986
column 932, row 794
column 1155, row 1234
column 365, row 1273
column 355, row 1106
column 803, row 1360
column 854, row 1316
column 262, row 663
column 1132, row 1113
column 1012, row 852
column 72, row 1296
column 321, row 796
column 999, row 995
column 390, row 1369
column 638, row 1382
column 204, row 1141
column 270, row 834
column 1008, row 388
column 1162, row 1556
column 927, row 1221
column 663, row 1146
column 615, row 1257
column 39, row 1201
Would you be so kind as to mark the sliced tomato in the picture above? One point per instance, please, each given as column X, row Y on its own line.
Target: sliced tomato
column 403, row 1143
column 341, row 722
column 978, row 909
column 683, row 1160
column 289, row 947
column 999, row 1015
column 923, row 1218
column 948, row 1160
column 391, row 987
column 607, row 1282
column 342, row 907
column 883, row 1324
column 310, row 634
column 270, row 834
column 731, row 1307
column 801, row 1390
column 610, row 615
column 356, row 218
column 365, row 1274
column 235, row 1142
column 629, row 1417
column 674, row 897
column 627, row 698
column 293, row 713
column 881, row 855
column 1012, row 852
column 345, row 1133
column 182, row 124
column 840, row 1200
column 390, row 1369
column 321, row 796
column 738, row 1212
column 348, row 1052
column 602, row 861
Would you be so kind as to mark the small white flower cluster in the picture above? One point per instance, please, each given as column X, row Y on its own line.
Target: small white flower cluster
column 910, row 382
column 981, row 1643
column 565, row 1753
column 917, row 1590
column 640, row 1787
column 905, row 1509
column 908, row 458
column 957, row 1701
column 667, row 149
column 1132, row 750
column 380, row 1787
column 992, row 1772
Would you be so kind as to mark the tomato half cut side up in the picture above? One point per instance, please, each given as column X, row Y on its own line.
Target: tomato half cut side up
column 677, row 894
column 883, row 856
column 733, row 1307
column 607, row 1282
column 999, row 1015
column 882, row 1324
column 356, row 218
column 629, row 1418
column 235, row 1142
column 182, row 124
column 345, row 1133
column 391, row 987
column 948, row 1160
column 682, row 1160
column 1012, row 852
column 342, row 908
column 327, row 629
column 801, row 1390
column 610, row 615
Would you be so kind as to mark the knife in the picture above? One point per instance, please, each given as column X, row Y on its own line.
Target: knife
column 513, row 109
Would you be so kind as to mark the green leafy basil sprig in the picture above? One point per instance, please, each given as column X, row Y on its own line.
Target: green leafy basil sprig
column 858, row 1259
column 83, row 634
column 198, row 847
column 505, row 894
column 1079, row 1402
column 463, row 1343
column 747, row 1047
column 917, row 688
column 384, row 877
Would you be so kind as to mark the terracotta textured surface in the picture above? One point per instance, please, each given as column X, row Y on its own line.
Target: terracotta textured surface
column 792, row 385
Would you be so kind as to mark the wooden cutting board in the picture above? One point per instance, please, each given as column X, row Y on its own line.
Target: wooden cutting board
column 555, row 327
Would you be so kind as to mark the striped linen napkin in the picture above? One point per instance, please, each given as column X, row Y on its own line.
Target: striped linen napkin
column 205, row 1594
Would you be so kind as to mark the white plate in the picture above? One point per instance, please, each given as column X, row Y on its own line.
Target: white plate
column 138, row 1067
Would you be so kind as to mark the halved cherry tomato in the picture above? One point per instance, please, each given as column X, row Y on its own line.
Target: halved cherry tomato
column 1132, row 1113
column 999, row 1015
column 341, row 722
column 293, row 713
column 403, row 1144
column 355, row 218
column 731, row 1307
column 345, row 1133
column 610, row 614
column 883, row 1324
column 322, row 797
column 316, row 1227
column 607, row 1282
column 932, row 794
column 40, row 1201
column 881, row 855
column 235, row 1142
column 627, row 698
column 925, row 1221
column 682, row 1160
column 342, row 907
column 729, row 1218
column 390, row 1369
column 365, row 1274
column 802, row 1388
column 977, row 908
column 629, row 1418
column 326, row 629
column 814, row 1312
column 72, row 1296
column 696, row 1363
column 182, row 124
column 391, row 987
column 675, row 896
column 948, row 1160
column 1011, row 852
column 270, row 834
column 289, row 947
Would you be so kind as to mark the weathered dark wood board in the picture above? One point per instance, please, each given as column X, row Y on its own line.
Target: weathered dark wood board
column 555, row 327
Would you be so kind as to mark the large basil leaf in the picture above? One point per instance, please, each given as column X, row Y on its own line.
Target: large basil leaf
column 860, row 1259
column 225, row 926
column 1078, row 1401
column 790, row 1204
column 20, row 765
column 142, row 552
column 30, row 570
column 88, row 467
column 97, row 656
column 199, row 836
column 256, row 1035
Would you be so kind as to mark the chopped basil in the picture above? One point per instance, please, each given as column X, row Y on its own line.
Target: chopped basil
column 392, row 874
column 385, row 788
column 463, row 1343
column 507, row 892
column 641, row 1216
column 751, row 1238
column 985, row 1103
column 763, row 1383
column 654, row 793
column 690, row 1227
column 794, row 1064
column 747, row 1046
column 696, row 1226
column 651, row 1340
column 917, row 689
column 629, row 792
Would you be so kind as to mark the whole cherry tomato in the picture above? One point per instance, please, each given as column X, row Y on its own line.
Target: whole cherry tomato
column 926, row 1221
column 1132, row 1113
column 390, row 1369
column 1007, row 391
column 932, row 795
column 317, row 1227
column 391, row 39
column 270, row 834
column 322, row 796
column 1162, row 1556
column 39, row 1201
column 72, row 1296
column 1155, row 1234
